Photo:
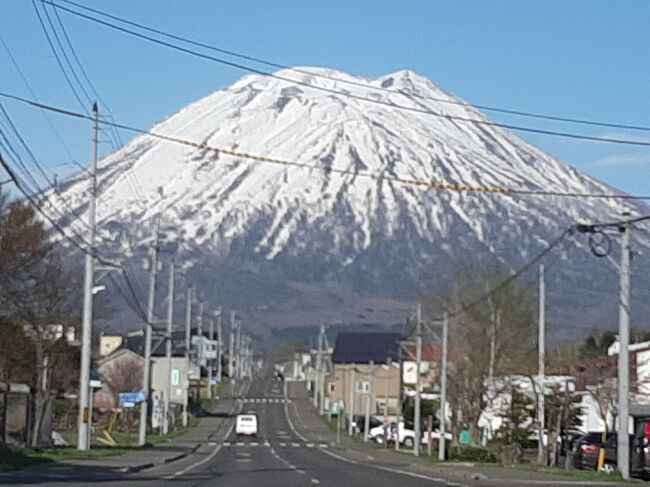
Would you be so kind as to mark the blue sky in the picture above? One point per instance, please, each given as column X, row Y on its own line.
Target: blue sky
column 586, row 59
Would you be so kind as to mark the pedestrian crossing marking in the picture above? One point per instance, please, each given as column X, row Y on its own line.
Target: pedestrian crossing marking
column 268, row 444
column 263, row 400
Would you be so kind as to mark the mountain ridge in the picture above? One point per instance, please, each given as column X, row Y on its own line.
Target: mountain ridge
column 316, row 229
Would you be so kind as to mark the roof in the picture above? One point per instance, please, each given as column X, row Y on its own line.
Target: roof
column 136, row 344
column 118, row 353
column 430, row 352
column 351, row 347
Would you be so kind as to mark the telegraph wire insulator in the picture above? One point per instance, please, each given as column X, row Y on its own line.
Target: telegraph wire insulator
column 599, row 244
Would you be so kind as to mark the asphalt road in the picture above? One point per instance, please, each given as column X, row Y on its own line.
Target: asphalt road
column 278, row 456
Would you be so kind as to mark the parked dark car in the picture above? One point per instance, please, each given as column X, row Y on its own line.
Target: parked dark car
column 640, row 451
column 360, row 423
column 586, row 448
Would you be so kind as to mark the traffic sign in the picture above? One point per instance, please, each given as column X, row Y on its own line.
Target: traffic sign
column 131, row 397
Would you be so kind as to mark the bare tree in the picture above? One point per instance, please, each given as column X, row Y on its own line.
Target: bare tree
column 36, row 291
column 123, row 375
column 605, row 395
column 478, row 347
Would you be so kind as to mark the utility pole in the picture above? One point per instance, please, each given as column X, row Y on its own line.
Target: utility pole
column 231, row 347
column 318, row 367
column 188, row 346
column 219, row 347
column 238, row 351
column 209, row 364
column 623, row 447
column 323, row 352
column 443, row 387
column 418, row 361
column 168, row 344
column 83, row 422
column 352, row 391
column 199, row 323
column 366, row 425
column 541, row 455
column 146, row 372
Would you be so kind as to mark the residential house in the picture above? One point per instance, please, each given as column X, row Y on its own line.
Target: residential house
column 639, row 368
column 365, row 368
column 121, row 371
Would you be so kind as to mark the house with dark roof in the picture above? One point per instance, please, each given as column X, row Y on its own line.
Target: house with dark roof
column 366, row 372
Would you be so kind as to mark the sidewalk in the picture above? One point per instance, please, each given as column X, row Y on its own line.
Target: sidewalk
column 310, row 425
column 139, row 459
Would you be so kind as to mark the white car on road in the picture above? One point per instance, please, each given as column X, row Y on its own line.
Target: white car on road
column 246, row 424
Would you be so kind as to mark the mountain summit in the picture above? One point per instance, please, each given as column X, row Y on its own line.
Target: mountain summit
column 341, row 240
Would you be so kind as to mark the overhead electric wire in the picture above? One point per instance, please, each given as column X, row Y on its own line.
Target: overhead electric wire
column 58, row 59
column 277, row 65
column 85, row 248
column 626, row 222
column 421, row 110
column 400, row 180
column 83, row 71
column 115, row 138
column 131, row 302
column 31, row 91
column 37, row 188
column 65, row 55
column 528, row 265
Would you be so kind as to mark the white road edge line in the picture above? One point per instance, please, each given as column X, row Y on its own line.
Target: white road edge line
column 347, row 460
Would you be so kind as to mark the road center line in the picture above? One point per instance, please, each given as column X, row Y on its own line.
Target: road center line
column 214, row 452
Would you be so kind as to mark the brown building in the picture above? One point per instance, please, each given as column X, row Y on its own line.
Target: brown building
column 365, row 368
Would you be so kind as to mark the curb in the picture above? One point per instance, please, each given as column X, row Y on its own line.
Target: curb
column 451, row 472
column 137, row 468
column 145, row 466
column 183, row 455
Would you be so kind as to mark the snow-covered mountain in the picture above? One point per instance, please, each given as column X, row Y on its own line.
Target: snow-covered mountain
column 293, row 245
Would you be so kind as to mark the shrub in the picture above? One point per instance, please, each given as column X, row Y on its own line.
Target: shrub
column 467, row 453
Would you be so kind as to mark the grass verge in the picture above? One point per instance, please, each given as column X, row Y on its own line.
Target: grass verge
column 12, row 458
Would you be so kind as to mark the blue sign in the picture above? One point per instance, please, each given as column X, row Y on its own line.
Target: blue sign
column 215, row 380
column 132, row 397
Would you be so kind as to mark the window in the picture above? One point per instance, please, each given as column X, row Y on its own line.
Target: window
column 176, row 377
column 332, row 387
column 363, row 386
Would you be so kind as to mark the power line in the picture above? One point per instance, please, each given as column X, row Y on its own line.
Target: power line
column 65, row 55
column 37, row 188
column 31, row 91
column 489, row 293
column 115, row 139
column 435, row 185
column 277, row 65
column 58, row 59
column 89, row 250
column 420, row 109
